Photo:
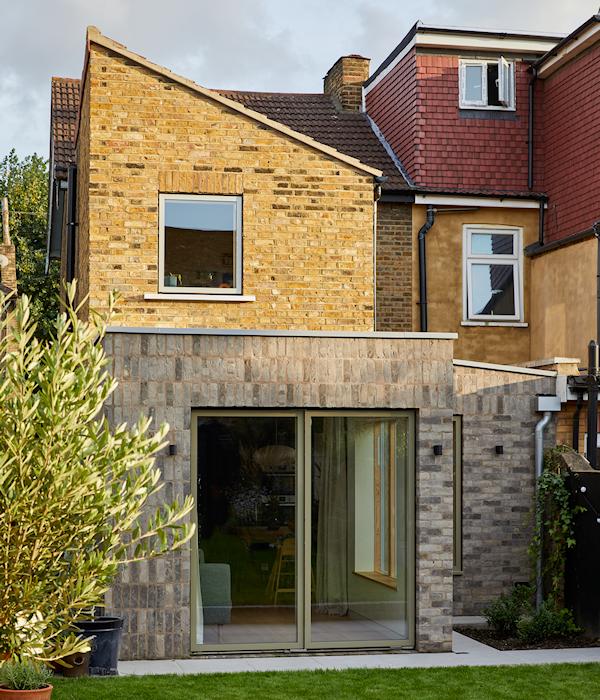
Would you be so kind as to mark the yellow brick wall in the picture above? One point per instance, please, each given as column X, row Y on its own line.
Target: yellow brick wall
column 307, row 217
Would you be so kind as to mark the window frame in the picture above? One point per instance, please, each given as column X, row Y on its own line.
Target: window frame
column 503, row 65
column 236, row 290
column 515, row 260
column 457, row 489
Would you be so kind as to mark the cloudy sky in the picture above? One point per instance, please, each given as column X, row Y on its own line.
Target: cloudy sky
column 284, row 45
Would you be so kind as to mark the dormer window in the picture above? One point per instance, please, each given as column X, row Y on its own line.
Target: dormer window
column 487, row 84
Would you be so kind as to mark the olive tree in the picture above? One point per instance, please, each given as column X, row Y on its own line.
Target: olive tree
column 74, row 491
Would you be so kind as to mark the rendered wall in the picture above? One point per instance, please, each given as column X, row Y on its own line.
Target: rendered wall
column 563, row 293
column 503, row 344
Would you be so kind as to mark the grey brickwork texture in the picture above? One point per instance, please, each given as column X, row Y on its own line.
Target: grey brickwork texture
column 498, row 408
column 165, row 376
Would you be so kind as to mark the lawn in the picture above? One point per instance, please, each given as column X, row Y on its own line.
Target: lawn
column 562, row 681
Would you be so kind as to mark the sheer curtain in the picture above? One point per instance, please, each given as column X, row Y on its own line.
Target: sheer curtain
column 332, row 530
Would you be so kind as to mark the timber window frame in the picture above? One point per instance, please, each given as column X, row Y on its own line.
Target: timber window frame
column 235, row 288
column 474, row 259
column 500, row 96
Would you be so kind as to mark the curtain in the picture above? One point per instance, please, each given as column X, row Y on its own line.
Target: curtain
column 332, row 529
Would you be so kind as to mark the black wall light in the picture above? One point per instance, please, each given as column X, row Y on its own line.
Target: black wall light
column 438, row 450
column 172, row 450
column 499, row 449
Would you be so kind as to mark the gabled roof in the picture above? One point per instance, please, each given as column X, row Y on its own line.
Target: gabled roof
column 63, row 120
column 96, row 37
column 317, row 115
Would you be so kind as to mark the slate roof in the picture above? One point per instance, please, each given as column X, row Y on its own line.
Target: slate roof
column 318, row 116
column 63, row 119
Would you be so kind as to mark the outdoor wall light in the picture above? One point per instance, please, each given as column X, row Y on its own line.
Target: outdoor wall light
column 172, row 450
column 499, row 449
column 438, row 450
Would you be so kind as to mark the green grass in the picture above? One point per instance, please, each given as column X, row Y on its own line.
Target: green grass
column 561, row 681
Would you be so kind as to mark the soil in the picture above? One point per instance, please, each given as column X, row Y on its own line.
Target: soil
column 489, row 637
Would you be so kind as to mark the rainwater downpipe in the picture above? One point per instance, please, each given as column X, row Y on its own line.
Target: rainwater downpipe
column 429, row 220
column 539, row 466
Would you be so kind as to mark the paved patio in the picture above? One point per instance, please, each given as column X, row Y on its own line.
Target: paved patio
column 467, row 652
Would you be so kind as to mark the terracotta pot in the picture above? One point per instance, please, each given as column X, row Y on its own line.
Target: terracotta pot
column 40, row 694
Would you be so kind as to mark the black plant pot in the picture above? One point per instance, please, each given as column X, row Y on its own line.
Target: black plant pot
column 105, row 643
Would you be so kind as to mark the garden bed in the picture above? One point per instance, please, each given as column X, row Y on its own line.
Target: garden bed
column 491, row 638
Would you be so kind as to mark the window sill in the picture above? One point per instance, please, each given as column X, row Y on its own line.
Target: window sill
column 385, row 580
column 496, row 324
column 166, row 296
column 487, row 108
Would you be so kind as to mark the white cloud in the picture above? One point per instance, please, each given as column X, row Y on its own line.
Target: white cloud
column 245, row 44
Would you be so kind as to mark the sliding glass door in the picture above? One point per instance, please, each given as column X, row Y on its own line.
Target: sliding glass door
column 305, row 529
column 360, row 529
column 246, row 592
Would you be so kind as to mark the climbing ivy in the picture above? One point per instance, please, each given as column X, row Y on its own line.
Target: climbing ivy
column 554, row 521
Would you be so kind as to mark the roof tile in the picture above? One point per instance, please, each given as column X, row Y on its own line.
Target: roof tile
column 64, row 112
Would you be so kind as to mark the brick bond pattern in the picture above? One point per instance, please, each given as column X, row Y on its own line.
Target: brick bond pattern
column 498, row 408
column 394, row 263
column 307, row 217
column 166, row 375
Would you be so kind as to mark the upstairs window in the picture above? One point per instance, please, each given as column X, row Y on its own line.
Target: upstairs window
column 492, row 274
column 200, row 244
column 487, row 84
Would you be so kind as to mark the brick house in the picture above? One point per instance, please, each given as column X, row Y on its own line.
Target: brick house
column 349, row 487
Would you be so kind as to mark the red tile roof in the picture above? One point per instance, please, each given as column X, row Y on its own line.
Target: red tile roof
column 63, row 120
column 318, row 116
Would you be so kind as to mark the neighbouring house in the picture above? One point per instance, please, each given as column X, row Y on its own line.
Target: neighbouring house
column 356, row 484
column 454, row 105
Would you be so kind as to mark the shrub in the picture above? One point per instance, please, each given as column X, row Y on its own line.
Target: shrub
column 74, row 491
column 504, row 613
column 549, row 622
column 24, row 675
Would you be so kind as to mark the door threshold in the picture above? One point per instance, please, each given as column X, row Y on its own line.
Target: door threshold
column 287, row 653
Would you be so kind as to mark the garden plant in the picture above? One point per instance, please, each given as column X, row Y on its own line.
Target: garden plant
column 75, row 493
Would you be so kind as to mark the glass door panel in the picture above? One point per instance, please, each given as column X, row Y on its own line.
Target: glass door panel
column 359, row 529
column 246, row 515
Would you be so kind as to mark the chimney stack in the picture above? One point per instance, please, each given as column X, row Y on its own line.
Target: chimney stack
column 344, row 81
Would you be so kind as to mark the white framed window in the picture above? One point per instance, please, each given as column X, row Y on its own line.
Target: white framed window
column 200, row 244
column 492, row 273
column 487, row 84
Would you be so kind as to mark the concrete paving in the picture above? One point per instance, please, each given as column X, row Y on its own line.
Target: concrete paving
column 467, row 652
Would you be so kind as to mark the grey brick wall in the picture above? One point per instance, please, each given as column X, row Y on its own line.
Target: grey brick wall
column 165, row 376
column 498, row 408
